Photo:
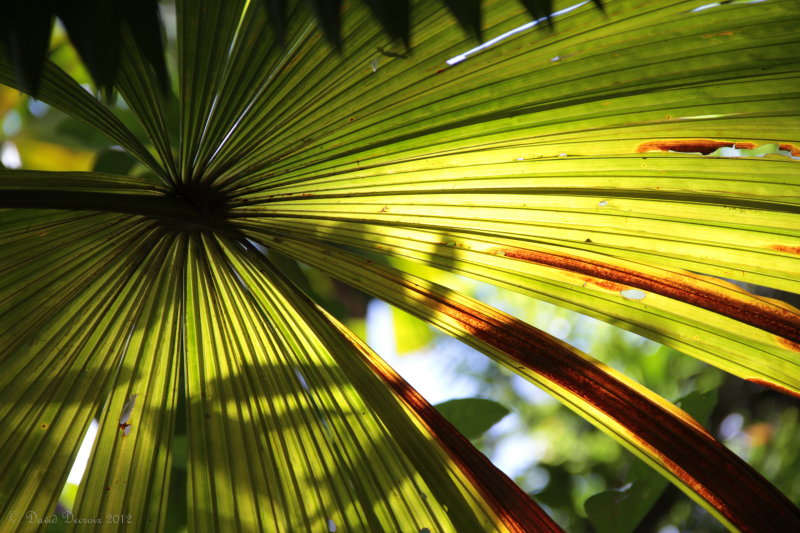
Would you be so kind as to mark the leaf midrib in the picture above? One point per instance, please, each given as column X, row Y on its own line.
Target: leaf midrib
column 178, row 212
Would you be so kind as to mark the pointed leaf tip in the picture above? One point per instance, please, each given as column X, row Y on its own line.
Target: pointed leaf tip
column 25, row 29
column 395, row 18
column 468, row 15
column 329, row 17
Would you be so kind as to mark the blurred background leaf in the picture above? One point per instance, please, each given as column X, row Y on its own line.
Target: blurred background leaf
column 472, row 416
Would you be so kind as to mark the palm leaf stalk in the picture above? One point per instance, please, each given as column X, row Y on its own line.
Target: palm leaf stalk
column 572, row 166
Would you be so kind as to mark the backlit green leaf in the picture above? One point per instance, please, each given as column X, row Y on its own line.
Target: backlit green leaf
column 472, row 416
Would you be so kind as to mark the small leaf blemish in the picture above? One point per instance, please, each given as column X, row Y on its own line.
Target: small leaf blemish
column 127, row 409
column 632, row 294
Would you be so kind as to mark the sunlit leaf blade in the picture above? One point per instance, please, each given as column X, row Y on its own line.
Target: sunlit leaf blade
column 538, row 164
column 608, row 206
column 661, row 434
column 128, row 473
column 269, row 378
column 59, row 90
column 57, row 369
column 288, row 93
column 594, row 88
column 725, row 341
column 222, row 99
column 138, row 83
column 281, row 90
column 206, row 30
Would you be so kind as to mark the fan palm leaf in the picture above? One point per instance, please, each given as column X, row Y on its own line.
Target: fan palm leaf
column 576, row 166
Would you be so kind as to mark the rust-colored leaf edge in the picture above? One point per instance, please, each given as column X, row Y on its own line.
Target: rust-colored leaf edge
column 760, row 313
column 517, row 511
column 704, row 146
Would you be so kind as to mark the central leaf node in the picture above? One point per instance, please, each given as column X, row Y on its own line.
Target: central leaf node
column 208, row 201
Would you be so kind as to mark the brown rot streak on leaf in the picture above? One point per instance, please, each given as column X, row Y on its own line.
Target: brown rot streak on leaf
column 605, row 284
column 773, row 386
column 704, row 146
column 717, row 34
column 786, row 343
column 784, row 248
column 795, row 150
column 517, row 511
column 761, row 314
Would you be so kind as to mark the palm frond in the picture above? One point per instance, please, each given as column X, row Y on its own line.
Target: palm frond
column 545, row 163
